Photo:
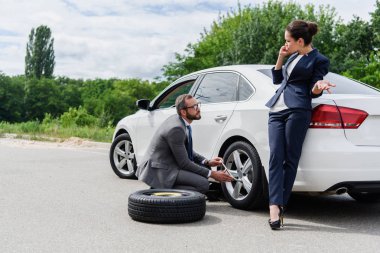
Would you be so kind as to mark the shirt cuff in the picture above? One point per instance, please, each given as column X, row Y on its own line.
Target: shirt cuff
column 204, row 163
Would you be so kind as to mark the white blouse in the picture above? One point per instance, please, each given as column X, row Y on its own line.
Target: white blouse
column 280, row 103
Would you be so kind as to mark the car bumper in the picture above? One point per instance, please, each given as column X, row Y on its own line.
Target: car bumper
column 357, row 186
column 333, row 161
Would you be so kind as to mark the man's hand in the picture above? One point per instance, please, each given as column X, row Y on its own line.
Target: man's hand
column 322, row 85
column 221, row 176
column 216, row 161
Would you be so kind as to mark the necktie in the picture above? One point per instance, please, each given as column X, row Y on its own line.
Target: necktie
column 190, row 144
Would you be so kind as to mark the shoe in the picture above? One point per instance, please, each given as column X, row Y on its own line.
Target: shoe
column 277, row 224
column 212, row 196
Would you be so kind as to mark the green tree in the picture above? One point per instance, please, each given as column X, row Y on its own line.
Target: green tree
column 11, row 97
column 42, row 96
column 353, row 44
column 360, row 55
column 40, row 59
column 250, row 35
column 70, row 92
column 121, row 100
column 93, row 95
column 375, row 20
column 366, row 72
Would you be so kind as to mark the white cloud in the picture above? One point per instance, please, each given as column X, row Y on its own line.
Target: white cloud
column 117, row 38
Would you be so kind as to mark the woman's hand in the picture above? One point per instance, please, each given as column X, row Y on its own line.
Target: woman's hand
column 281, row 55
column 284, row 51
column 322, row 85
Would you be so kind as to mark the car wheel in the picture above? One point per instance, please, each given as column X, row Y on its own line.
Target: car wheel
column 122, row 157
column 244, row 163
column 166, row 206
column 366, row 197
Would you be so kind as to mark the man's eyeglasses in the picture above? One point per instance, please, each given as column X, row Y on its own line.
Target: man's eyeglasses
column 195, row 107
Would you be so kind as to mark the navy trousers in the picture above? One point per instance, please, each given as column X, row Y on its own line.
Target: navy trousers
column 287, row 130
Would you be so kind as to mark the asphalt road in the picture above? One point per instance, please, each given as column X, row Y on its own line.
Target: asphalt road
column 65, row 198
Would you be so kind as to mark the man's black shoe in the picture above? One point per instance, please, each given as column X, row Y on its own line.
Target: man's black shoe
column 212, row 196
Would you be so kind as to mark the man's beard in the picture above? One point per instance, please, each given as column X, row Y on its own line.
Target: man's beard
column 193, row 117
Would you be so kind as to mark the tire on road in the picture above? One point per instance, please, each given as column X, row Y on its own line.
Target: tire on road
column 242, row 159
column 166, row 206
column 122, row 157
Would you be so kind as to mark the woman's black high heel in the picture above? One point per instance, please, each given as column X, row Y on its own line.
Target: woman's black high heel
column 274, row 225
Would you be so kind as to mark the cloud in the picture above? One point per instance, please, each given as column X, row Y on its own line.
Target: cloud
column 105, row 39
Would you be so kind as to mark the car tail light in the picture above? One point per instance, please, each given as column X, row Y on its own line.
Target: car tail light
column 331, row 116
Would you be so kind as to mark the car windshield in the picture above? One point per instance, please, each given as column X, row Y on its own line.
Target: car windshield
column 169, row 99
column 344, row 85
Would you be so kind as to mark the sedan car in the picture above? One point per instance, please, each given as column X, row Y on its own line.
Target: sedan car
column 341, row 152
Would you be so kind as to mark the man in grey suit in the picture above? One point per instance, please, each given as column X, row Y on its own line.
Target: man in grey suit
column 171, row 162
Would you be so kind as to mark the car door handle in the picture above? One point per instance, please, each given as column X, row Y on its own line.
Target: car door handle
column 220, row 118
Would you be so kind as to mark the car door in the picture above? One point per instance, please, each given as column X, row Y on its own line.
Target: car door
column 162, row 107
column 217, row 94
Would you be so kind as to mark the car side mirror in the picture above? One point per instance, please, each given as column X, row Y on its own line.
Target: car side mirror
column 143, row 104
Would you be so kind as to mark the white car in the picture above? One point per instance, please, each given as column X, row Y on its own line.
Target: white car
column 341, row 152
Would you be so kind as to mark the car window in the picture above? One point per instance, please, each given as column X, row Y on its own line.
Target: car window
column 168, row 100
column 245, row 89
column 267, row 72
column 343, row 84
column 217, row 87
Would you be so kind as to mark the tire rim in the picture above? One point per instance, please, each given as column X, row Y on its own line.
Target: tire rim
column 166, row 194
column 124, row 157
column 240, row 166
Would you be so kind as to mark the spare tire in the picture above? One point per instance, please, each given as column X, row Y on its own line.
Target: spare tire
column 166, row 206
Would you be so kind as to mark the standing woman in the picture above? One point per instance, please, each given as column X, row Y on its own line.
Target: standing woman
column 290, row 110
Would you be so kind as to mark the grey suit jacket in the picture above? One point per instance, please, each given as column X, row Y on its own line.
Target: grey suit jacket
column 167, row 155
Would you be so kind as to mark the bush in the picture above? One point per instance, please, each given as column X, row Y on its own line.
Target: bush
column 30, row 126
column 5, row 127
column 77, row 117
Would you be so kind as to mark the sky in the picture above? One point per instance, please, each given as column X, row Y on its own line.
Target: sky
column 121, row 38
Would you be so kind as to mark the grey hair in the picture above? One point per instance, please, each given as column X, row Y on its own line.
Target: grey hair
column 180, row 102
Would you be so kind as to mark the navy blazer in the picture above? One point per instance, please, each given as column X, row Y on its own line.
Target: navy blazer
column 297, row 88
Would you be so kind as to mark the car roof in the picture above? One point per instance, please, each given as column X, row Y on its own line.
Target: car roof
column 244, row 69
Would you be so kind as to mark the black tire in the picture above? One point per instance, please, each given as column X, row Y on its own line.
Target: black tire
column 166, row 206
column 123, row 161
column 238, row 194
column 365, row 197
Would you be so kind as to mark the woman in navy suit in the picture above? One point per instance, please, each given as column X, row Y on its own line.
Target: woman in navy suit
column 301, row 79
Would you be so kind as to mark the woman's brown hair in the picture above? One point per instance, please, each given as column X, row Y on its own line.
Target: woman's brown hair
column 302, row 29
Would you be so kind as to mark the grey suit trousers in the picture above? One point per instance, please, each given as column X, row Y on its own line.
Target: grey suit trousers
column 187, row 180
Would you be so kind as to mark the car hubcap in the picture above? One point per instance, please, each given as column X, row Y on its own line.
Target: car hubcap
column 124, row 157
column 240, row 166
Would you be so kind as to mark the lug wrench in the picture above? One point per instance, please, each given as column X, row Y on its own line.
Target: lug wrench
column 229, row 173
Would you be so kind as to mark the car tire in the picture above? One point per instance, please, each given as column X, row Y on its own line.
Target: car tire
column 249, row 193
column 365, row 197
column 166, row 206
column 122, row 157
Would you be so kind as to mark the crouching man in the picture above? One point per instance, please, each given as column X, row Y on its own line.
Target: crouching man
column 171, row 162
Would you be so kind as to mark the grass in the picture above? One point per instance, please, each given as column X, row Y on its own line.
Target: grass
column 51, row 130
